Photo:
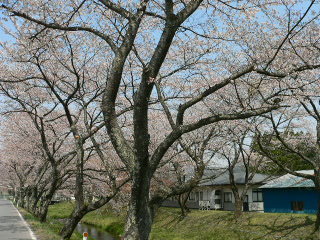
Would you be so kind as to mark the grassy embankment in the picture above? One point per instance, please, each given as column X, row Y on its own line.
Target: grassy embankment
column 202, row 225
column 50, row 229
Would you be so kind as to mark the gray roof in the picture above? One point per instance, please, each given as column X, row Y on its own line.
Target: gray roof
column 223, row 177
column 291, row 181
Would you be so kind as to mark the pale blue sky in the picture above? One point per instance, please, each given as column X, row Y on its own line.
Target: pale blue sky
column 301, row 6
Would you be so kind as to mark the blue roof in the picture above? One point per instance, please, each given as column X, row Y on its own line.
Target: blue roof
column 291, row 181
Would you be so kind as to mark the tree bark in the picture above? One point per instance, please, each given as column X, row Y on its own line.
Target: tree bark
column 48, row 197
column 21, row 199
column 72, row 223
column 79, row 213
column 317, row 223
column 182, row 200
column 80, row 208
column 139, row 220
column 35, row 200
column 238, row 208
column 43, row 210
column 28, row 200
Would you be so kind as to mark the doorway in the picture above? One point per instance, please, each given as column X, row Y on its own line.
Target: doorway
column 246, row 203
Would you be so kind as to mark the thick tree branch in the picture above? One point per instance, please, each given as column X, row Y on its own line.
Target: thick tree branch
column 201, row 96
column 177, row 133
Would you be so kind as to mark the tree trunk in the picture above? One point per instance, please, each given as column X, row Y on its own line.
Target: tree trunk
column 72, row 223
column 28, row 202
column 183, row 208
column 182, row 200
column 15, row 197
column 238, row 208
column 35, row 205
column 29, row 198
column 44, row 206
column 43, row 210
column 78, row 214
column 31, row 203
column 317, row 224
column 80, row 209
column 139, row 220
column 21, row 200
column 317, row 186
column 34, row 201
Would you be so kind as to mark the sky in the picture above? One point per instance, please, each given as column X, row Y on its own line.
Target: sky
column 4, row 37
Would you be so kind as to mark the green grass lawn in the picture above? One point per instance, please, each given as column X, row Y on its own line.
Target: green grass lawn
column 202, row 225
column 50, row 229
column 219, row 225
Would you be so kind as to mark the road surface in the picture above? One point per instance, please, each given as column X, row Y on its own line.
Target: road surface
column 12, row 225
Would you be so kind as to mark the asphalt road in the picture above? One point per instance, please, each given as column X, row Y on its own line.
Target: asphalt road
column 12, row 226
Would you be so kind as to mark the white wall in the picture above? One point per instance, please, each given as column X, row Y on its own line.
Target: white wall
column 209, row 194
column 253, row 206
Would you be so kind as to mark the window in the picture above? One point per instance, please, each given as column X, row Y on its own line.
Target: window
column 257, row 195
column 196, row 196
column 192, row 196
column 228, row 197
column 297, row 206
column 217, row 201
column 201, row 196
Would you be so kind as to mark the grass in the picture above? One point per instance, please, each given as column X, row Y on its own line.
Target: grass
column 46, row 231
column 106, row 220
column 219, row 225
column 198, row 225
column 102, row 218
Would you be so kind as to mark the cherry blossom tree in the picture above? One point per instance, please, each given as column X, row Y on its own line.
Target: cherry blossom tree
column 33, row 170
column 183, row 167
column 52, row 155
column 238, row 153
column 213, row 61
column 51, row 88
column 303, row 116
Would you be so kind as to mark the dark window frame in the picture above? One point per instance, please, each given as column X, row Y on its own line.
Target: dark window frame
column 192, row 196
column 297, row 205
column 201, row 196
column 256, row 192
column 224, row 197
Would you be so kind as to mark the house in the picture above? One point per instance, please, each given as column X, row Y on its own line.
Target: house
column 214, row 191
column 291, row 194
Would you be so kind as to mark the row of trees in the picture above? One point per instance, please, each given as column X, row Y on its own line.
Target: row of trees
column 106, row 97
